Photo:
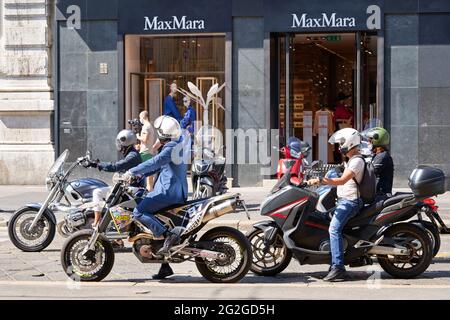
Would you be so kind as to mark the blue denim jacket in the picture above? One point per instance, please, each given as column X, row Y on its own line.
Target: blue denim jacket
column 172, row 182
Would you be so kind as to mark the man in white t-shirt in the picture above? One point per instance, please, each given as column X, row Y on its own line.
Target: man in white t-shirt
column 349, row 202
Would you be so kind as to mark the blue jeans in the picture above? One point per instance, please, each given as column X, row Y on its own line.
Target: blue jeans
column 145, row 211
column 345, row 210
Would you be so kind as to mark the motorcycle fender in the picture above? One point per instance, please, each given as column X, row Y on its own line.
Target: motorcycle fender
column 270, row 230
column 38, row 206
column 386, row 227
column 206, row 180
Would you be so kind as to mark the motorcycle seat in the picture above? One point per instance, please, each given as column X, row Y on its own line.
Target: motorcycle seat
column 397, row 198
column 178, row 205
column 365, row 213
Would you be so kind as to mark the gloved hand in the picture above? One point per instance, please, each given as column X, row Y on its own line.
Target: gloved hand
column 90, row 163
column 128, row 177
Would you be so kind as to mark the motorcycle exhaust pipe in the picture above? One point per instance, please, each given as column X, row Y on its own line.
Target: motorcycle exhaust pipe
column 381, row 250
column 220, row 209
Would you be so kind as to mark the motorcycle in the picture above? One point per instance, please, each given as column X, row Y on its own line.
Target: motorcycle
column 208, row 175
column 297, row 229
column 300, row 164
column 32, row 227
column 222, row 254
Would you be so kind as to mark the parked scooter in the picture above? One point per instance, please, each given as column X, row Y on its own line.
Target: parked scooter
column 208, row 175
column 222, row 254
column 32, row 228
column 297, row 151
column 404, row 250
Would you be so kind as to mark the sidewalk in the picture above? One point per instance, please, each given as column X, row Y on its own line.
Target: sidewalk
column 13, row 197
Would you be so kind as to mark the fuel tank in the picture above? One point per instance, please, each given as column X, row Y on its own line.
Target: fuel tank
column 81, row 189
column 280, row 204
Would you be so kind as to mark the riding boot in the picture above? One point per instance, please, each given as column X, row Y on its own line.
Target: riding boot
column 164, row 272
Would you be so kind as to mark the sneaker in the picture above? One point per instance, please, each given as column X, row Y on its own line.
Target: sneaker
column 336, row 274
column 164, row 272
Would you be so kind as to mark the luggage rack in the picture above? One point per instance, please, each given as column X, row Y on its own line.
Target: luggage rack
column 321, row 171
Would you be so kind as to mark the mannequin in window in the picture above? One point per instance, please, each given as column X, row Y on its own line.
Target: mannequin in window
column 170, row 107
column 330, row 128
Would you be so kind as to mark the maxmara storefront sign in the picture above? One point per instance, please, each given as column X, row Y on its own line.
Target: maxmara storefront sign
column 333, row 20
column 174, row 17
column 176, row 23
column 306, row 16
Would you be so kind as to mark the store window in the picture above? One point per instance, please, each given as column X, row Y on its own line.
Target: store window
column 153, row 63
column 325, row 82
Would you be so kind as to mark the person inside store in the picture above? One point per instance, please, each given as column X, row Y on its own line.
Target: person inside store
column 383, row 164
column 170, row 187
column 188, row 124
column 147, row 140
column 343, row 115
column 349, row 203
column 170, row 107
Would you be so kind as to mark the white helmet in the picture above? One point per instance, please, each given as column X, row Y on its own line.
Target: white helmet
column 167, row 128
column 347, row 138
column 125, row 138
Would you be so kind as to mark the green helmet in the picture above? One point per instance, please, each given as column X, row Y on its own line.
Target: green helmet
column 379, row 136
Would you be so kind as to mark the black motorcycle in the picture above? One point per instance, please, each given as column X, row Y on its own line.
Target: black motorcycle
column 208, row 175
column 403, row 249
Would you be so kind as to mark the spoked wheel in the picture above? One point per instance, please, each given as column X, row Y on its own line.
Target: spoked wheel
column 88, row 266
column 237, row 256
column 271, row 260
column 31, row 240
column 419, row 245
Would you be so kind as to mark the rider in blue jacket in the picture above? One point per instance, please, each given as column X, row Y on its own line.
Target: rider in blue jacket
column 170, row 187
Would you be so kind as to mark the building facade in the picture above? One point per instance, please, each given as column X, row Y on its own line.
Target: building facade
column 26, row 96
column 285, row 63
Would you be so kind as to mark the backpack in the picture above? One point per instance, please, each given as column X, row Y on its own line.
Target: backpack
column 367, row 187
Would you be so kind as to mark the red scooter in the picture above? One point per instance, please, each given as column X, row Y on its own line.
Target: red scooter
column 297, row 151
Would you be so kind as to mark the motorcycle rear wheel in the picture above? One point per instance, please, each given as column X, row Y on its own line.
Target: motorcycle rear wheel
column 278, row 254
column 238, row 252
column 91, row 267
column 35, row 240
column 434, row 234
column 419, row 243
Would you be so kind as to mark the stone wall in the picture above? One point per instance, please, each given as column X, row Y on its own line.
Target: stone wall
column 26, row 95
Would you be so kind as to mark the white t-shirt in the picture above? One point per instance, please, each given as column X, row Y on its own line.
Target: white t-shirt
column 147, row 128
column 350, row 189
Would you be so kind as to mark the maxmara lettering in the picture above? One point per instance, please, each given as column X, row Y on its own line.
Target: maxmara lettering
column 325, row 21
column 176, row 23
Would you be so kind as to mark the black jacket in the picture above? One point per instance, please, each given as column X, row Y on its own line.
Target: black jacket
column 131, row 160
column 384, row 171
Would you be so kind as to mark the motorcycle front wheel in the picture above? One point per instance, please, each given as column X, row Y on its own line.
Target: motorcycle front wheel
column 91, row 266
column 30, row 240
column 238, row 256
column 268, row 261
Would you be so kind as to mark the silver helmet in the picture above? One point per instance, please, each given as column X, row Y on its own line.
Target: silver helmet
column 125, row 138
